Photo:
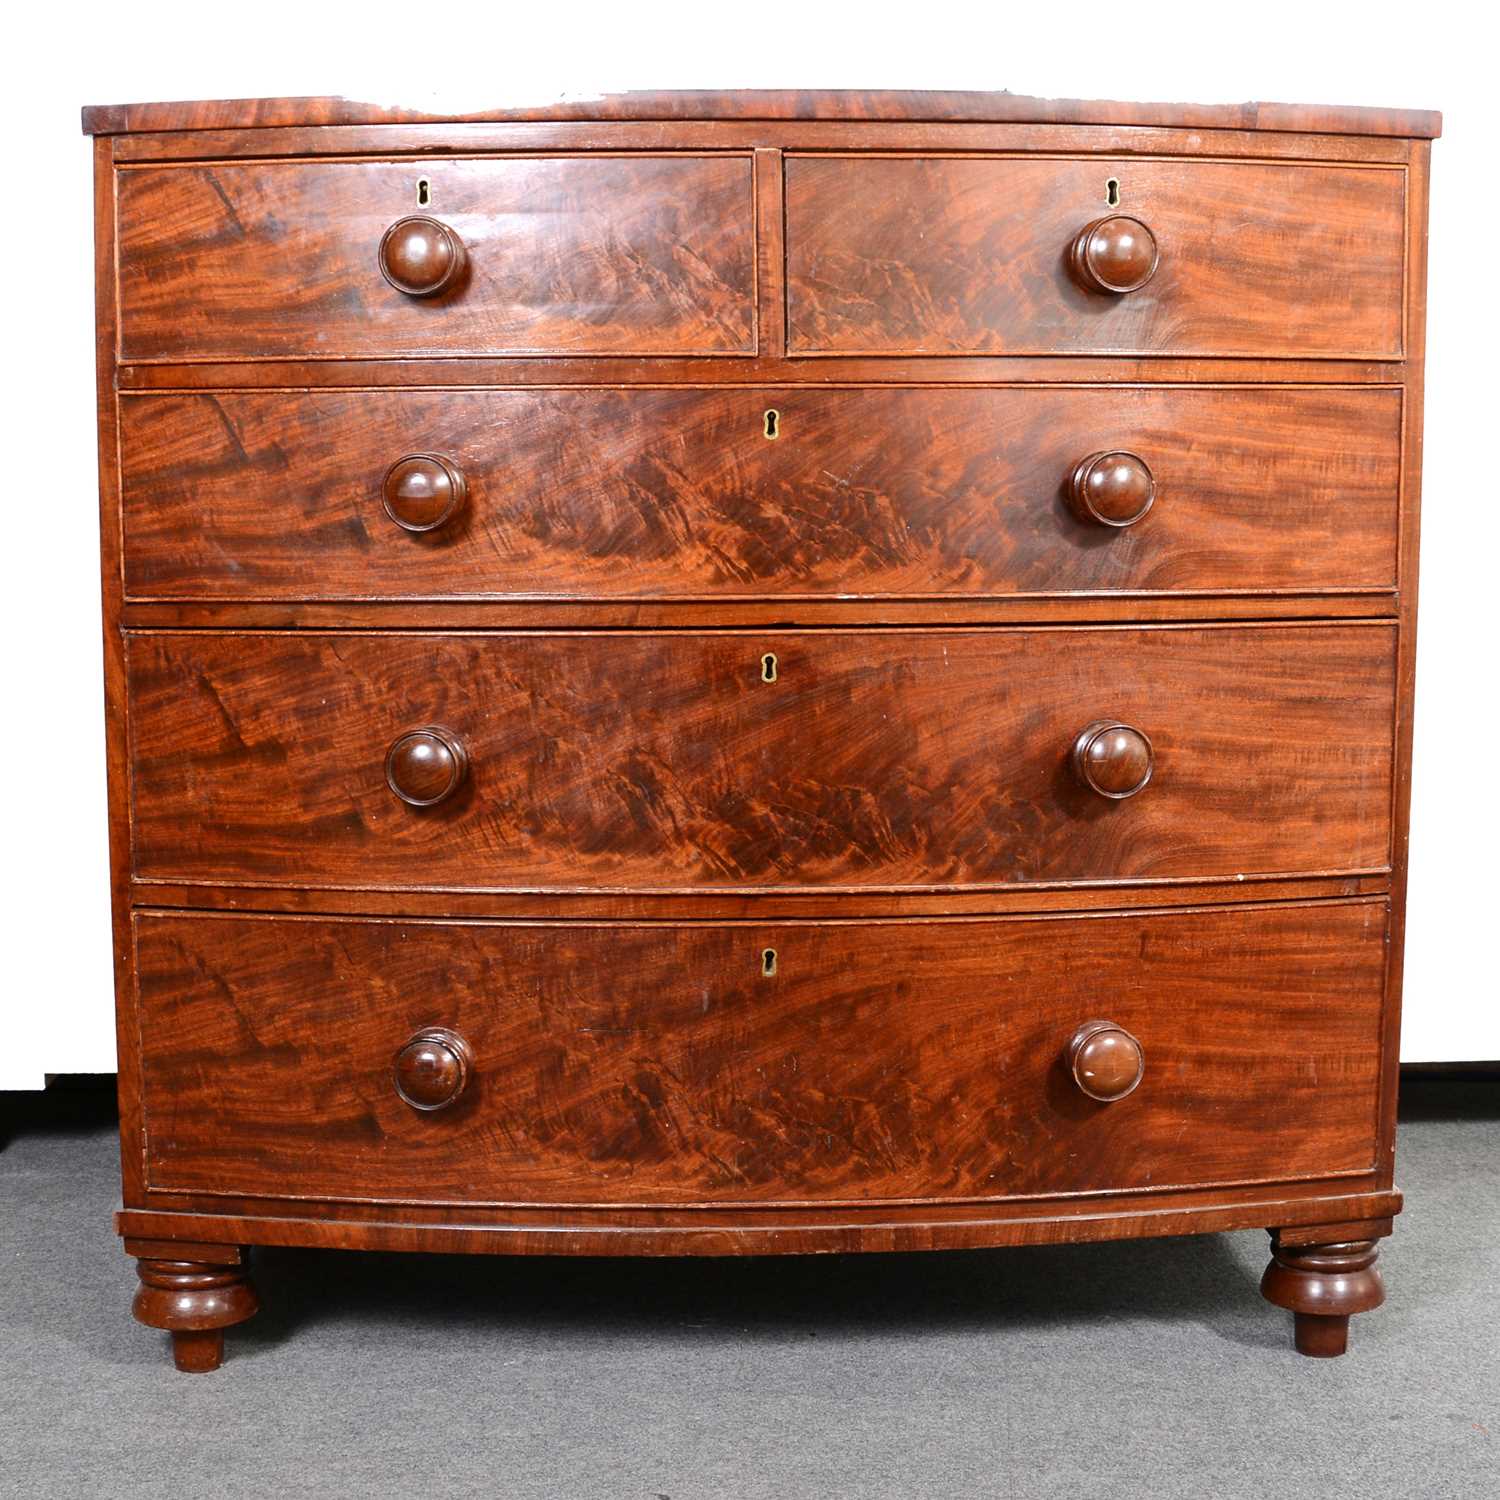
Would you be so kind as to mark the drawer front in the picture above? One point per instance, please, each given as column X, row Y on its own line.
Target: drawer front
column 661, row 1064
column 665, row 761
column 966, row 255
column 653, row 494
column 565, row 255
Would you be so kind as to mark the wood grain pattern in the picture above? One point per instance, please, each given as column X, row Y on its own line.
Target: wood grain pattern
column 610, row 255
column 968, row 256
column 757, row 903
column 1406, row 666
column 116, row 705
column 565, row 614
column 767, row 104
column 642, row 816
column 660, row 1065
column 760, row 370
column 929, row 137
column 677, row 493
column 663, row 761
column 433, row 1230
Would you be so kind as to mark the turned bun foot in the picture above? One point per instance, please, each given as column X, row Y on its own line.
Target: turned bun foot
column 195, row 1301
column 1323, row 1285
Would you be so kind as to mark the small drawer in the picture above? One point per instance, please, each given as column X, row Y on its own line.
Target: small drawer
column 775, row 494
column 1004, row 255
column 697, row 760
column 337, row 260
column 685, row 1063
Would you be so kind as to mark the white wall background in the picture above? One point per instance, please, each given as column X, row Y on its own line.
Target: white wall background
column 55, row 979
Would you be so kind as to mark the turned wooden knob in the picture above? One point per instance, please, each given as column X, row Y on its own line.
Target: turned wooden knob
column 432, row 1069
column 1105, row 1060
column 1117, row 254
column 421, row 257
column 423, row 491
column 1112, row 759
column 1113, row 489
column 426, row 766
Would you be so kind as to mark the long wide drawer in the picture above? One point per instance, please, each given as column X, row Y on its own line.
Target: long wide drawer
column 728, row 759
column 683, row 1063
column 562, row 255
column 974, row 255
column 771, row 493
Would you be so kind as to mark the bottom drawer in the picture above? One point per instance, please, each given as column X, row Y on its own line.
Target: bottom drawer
column 679, row 1063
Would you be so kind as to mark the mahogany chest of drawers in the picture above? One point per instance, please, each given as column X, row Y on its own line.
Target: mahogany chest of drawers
column 697, row 674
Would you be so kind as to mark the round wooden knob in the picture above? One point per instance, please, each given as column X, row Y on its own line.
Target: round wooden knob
column 1117, row 254
column 423, row 491
column 432, row 1069
column 1113, row 489
column 426, row 766
column 1105, row 1060
column 1112, row 759
column 421, row 256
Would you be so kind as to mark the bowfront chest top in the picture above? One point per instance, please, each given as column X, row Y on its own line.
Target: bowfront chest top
column 723, row 674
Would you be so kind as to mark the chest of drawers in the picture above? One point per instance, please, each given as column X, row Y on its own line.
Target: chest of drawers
column 735, row 674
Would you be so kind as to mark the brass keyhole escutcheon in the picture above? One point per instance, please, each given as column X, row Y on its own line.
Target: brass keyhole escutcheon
column 773, row 424
column 768, row 667
column 1112, row 192
column 767, row 962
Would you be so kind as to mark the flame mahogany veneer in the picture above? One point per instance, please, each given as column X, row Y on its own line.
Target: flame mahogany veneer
column 736, row 674
column 917, row 1060
column 646, row 760
column 877, row 493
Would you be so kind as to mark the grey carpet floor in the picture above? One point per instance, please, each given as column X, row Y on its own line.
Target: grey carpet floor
column 1144, row 1369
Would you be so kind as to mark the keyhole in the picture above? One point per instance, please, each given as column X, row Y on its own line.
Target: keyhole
column 1112, row 192
column 424, row 192
column 768, row 962
column 773, row 424
column 768, row 667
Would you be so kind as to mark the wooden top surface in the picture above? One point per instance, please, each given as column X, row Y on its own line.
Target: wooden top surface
column 767, row 104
